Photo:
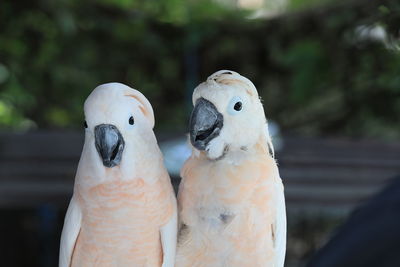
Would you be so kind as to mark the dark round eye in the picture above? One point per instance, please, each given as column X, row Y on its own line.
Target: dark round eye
column 131, row 120
column 85, row 124
column 238, row 106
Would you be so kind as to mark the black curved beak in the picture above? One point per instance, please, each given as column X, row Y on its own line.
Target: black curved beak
column 205, row 123
column 109, row 143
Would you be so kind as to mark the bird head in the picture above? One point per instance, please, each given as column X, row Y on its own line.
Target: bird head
column 228, row 115
column 118, row 120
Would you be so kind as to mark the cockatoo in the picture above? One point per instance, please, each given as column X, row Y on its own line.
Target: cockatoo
column 123, row 209
column 231, row 201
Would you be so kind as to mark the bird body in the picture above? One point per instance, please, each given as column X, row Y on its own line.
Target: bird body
column 122, row 218
column 231, row 203
column 123, row 210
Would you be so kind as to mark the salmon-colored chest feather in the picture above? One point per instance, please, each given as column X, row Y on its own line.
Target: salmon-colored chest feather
column 227, row 212
column 121, row 222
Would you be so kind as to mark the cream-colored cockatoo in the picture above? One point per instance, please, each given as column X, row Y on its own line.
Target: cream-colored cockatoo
column 123, row 209
column 231, row 201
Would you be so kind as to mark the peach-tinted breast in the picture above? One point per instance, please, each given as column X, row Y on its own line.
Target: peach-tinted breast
column 227, row 212
column 121, row 223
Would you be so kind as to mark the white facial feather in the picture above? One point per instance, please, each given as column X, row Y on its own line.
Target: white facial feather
column 115, row 104
column 241, row 130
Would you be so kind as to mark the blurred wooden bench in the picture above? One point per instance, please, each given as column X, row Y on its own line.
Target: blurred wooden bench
column 38, row 168
column 320, row 175
column 333, row 176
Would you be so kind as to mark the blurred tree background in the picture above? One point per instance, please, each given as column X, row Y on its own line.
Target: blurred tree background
column 322, row 67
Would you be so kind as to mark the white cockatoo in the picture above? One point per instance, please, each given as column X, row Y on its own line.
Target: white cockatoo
column 231, row 201
column 123, row 209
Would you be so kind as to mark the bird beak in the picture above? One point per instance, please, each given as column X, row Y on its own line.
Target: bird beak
column 205, row 123
column 109, row 143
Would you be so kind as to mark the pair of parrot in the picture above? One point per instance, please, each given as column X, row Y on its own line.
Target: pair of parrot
column 231, row 205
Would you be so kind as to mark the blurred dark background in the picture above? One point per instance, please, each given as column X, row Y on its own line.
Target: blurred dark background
column 328, row 73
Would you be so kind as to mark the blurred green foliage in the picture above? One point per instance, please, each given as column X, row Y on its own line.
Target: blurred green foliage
column 318, row 69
